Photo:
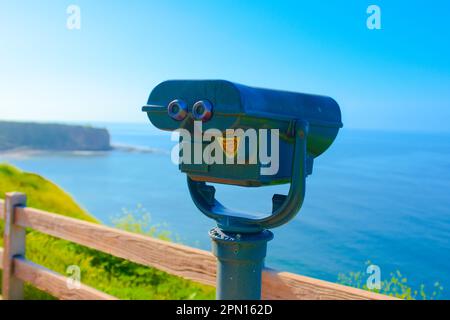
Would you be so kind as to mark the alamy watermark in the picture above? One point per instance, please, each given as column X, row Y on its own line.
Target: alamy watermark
column 374, row 279
column 74, row 17
column 373, row 21
column 237, row 146
column 73, row 281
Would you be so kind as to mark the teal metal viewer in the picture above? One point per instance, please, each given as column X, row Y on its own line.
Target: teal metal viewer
column 306, row 126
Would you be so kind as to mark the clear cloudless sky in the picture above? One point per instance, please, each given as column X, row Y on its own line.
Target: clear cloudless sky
column 396, row 78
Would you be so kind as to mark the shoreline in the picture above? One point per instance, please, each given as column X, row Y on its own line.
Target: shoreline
column 21, row 153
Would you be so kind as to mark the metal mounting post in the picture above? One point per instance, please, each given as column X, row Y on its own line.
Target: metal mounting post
column 240, row 260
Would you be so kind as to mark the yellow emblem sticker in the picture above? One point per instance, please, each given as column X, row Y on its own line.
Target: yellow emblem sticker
column 229, row 146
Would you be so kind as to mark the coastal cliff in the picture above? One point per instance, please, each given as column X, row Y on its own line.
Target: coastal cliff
column 57, row 137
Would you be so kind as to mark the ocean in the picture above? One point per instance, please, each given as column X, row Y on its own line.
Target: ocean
column 375, row 196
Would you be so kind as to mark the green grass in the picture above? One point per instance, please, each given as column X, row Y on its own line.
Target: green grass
column 118, row 277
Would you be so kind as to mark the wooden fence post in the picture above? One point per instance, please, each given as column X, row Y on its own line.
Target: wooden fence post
column 14, row 245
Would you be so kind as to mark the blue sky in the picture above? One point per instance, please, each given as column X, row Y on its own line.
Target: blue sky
column 397, row 78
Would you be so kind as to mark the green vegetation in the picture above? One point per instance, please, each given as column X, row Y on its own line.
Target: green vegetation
column 139, row 221
column 396, row 285
column 118, row 277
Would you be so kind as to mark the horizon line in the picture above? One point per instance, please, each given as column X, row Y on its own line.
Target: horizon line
column 113, row 122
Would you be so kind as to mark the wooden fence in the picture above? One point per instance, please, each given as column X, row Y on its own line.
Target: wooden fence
column 175, row 259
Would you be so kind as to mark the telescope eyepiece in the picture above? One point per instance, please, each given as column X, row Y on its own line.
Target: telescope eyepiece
column 177, row 110
column 202, row 110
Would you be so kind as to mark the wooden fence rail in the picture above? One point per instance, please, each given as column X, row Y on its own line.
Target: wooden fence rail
column 175, row 259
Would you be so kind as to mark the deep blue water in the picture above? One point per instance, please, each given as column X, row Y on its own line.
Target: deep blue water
column 378, row 196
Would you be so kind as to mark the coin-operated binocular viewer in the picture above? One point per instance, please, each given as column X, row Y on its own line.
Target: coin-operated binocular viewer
column 222, row 118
